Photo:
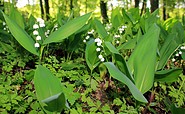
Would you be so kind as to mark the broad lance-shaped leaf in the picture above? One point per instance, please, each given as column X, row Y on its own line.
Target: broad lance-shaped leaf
column 178, row 28
column 21, row 36
column 142, row 61
column 16, row 16
column 100, row 29
column 118, row 75
column 131, row 43
column 111, row 48
column 170, row 75
column 68, row 29
column 48, row 89
column 167, row 49
column 116, row 18
column 55, row 103
column 91, row 55
column 119, row 60
column 171, row 43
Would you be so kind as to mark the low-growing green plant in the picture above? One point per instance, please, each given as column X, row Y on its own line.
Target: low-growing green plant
column 131, row 54
column 17, row 93
column 52, row 100
column 148, row 55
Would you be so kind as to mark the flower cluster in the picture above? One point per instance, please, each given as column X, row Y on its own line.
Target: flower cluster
column 47, row 33
column 86, row 38
column 56, row 27
column 5, row 27
column 39, row 24
column 36, row 33
column 118, row 35
column 121, row 29
column 98, row 49
column 108, row 26
column 178, row 54
column 101, row 58
column 98, row 42
column 91, row 32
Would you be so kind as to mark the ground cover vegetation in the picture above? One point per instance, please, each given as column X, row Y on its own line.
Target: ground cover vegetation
column 80, row 65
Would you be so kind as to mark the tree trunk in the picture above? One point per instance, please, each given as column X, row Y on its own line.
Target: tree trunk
column 154, row 5
column 41, row 9
column 47, row 9
column 136, row 3
column 164, row 10
column 71, row 4
column 143, row 7
column 103, row 7
column 2, row 5
column 85, row 6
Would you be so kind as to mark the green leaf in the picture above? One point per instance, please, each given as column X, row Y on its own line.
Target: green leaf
column 71, row 96
column 131, row 16
column 68, row 29
column 55, row 103
column 171, row 43
column 116, row 18
column 169, row 23
column 173, row 108
column 48, row 89
column 167, row 49
column 126, row 18
column 142, row 61
column 148, row 20
column 119, row 60
column 21, row 36
column 123, row 66
column 134, row 15
column 170, row 75
column 16, row 16
column 31, row 21
column 152, row 19
column 100, row 29
column 111, row 48
column 7, row 47
column 128, row 45
column 176, row 110
column 118, row 75
column 178, row 28
column 132, row 42
column 183, row 55
column 91, row 55
column 75, row 41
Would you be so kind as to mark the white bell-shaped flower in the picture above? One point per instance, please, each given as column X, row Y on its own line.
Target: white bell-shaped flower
column 37, row 45
column 35, row 32
column 98, row 49
column 35, row 26
column 38, row 38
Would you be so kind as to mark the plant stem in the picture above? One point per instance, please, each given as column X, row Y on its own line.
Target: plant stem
column 152, row 97
column 41, row 52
